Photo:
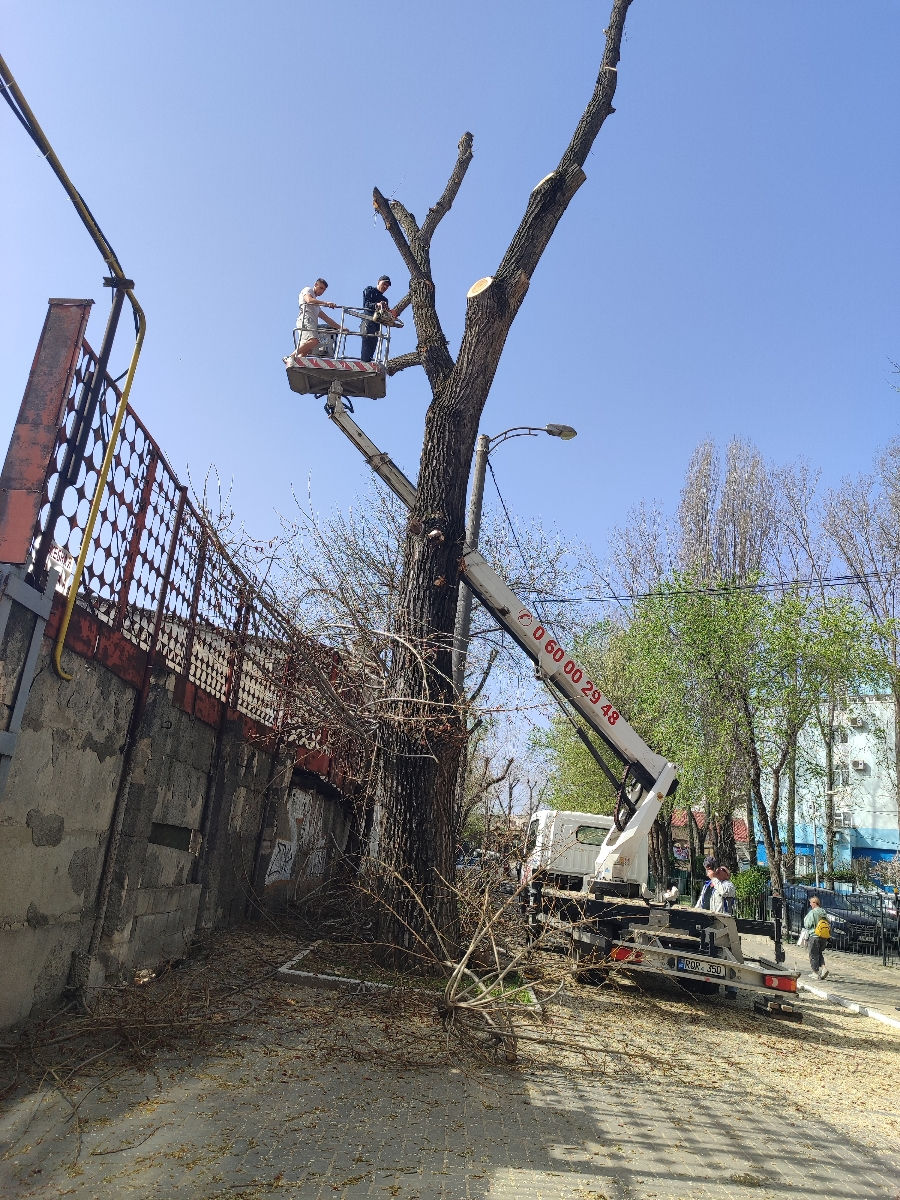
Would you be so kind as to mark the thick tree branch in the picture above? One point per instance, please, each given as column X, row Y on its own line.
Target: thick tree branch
column 445, row 203
column 549, row 200
column 398, row 237
column 402, row 361
column 406, row 220
column 397, row 309
column 432, row 343
column 600, row 105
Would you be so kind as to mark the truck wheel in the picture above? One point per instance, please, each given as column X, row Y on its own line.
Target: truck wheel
column 587, row 964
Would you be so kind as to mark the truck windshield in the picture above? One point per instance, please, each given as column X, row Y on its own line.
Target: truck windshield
column 531, row 838
column 590, row 835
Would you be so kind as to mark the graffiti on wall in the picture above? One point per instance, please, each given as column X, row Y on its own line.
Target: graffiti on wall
column 282, row 861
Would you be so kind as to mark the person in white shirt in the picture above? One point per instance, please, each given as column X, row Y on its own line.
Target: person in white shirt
column 723, row 892
column 308, row 319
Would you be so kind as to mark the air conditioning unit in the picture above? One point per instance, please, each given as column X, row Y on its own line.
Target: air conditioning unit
column 858, row 764
column 857, row 722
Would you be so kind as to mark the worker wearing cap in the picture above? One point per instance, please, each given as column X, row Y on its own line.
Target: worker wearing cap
column 710, row 866
column 373, row 301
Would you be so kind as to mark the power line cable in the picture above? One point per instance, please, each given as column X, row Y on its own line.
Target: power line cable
column 533, row 591
column 729, row 589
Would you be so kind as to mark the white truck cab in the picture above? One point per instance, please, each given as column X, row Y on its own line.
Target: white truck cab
column 562, row 848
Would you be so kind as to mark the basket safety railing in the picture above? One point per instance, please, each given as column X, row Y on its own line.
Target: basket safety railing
column 354, row 324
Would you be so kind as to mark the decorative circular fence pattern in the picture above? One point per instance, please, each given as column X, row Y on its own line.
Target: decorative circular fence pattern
column 156, row 572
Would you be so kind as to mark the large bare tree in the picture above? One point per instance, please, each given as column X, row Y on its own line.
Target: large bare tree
column 862, row 518
column 420, row 742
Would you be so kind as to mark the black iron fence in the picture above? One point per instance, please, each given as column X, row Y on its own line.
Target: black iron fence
column 861, row 922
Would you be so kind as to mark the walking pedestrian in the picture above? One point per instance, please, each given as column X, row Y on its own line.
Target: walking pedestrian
column 819, row 931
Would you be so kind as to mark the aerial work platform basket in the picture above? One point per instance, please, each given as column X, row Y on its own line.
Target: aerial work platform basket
column 339, row 357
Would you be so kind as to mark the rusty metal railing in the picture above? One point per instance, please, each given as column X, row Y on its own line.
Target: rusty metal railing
column 155, row 571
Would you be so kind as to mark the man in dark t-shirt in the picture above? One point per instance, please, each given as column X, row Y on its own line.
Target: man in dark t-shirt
column 373, row 298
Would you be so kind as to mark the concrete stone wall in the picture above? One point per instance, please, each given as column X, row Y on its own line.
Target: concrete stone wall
column 54, row 821
column 189, row 816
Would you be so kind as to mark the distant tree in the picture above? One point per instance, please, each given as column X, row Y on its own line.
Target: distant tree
column 862, row 518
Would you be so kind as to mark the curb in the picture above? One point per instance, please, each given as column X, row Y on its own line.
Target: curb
column 852, row 1005
column 337, row 982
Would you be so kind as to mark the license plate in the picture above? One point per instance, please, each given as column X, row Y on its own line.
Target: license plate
column 696, row 967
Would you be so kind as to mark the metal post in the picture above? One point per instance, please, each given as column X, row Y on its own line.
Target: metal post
column 84, row 421
column 473, row 529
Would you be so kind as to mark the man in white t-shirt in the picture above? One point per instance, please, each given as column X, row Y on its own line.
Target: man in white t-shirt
column 308, row 320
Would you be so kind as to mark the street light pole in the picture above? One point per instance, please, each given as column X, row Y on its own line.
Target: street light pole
column 483, row 448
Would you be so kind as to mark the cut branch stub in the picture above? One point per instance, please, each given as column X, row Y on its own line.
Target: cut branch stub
column 479, row 286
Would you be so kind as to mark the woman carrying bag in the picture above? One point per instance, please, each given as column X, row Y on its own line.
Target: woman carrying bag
column 818, row 931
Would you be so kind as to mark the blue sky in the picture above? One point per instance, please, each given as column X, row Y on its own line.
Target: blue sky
column 729, row 268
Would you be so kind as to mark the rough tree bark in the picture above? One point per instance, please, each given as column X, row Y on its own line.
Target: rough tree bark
column 790, row 835
column 421, row 740
column 660, row 851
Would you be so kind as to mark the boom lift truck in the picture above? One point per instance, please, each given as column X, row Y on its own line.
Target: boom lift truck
column 610, row 919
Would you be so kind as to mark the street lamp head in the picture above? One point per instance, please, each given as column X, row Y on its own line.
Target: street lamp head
column 566, row 432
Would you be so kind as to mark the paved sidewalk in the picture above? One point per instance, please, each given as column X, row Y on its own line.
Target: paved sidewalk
column 331, row 1096
column 858, row 978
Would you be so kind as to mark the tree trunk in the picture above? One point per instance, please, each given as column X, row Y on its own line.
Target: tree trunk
column 422, row 731
column 828, row 831
column 773, row 850
column 727, row 848
column 695, row 842
column 751, row 831
column 790, row 857
column 660, row 860
column 711, row 825
column 895, row 691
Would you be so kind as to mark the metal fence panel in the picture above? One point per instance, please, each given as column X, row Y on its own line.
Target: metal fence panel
column 156, row 571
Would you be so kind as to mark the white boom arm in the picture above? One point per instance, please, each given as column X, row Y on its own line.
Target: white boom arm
column 655, row 775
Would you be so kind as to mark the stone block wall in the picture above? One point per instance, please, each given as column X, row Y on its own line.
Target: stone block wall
column 54, row 822
column 189, row 816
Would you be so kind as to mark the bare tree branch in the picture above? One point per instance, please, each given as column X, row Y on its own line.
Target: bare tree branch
column 402, row 361
column 406, row 221
column 398, row 237
column 445, row 203
column 549, row 200
column 397, row 309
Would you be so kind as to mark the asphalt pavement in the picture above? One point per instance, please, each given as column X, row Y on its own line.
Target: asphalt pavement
column 319, row 1094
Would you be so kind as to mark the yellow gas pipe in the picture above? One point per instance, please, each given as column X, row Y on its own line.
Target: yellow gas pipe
column 119, row 276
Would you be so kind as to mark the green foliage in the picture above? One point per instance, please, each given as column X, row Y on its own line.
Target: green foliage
column 721, row 679
column 751, row 883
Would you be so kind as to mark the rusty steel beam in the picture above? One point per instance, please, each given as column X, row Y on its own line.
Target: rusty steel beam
column 34, row 436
